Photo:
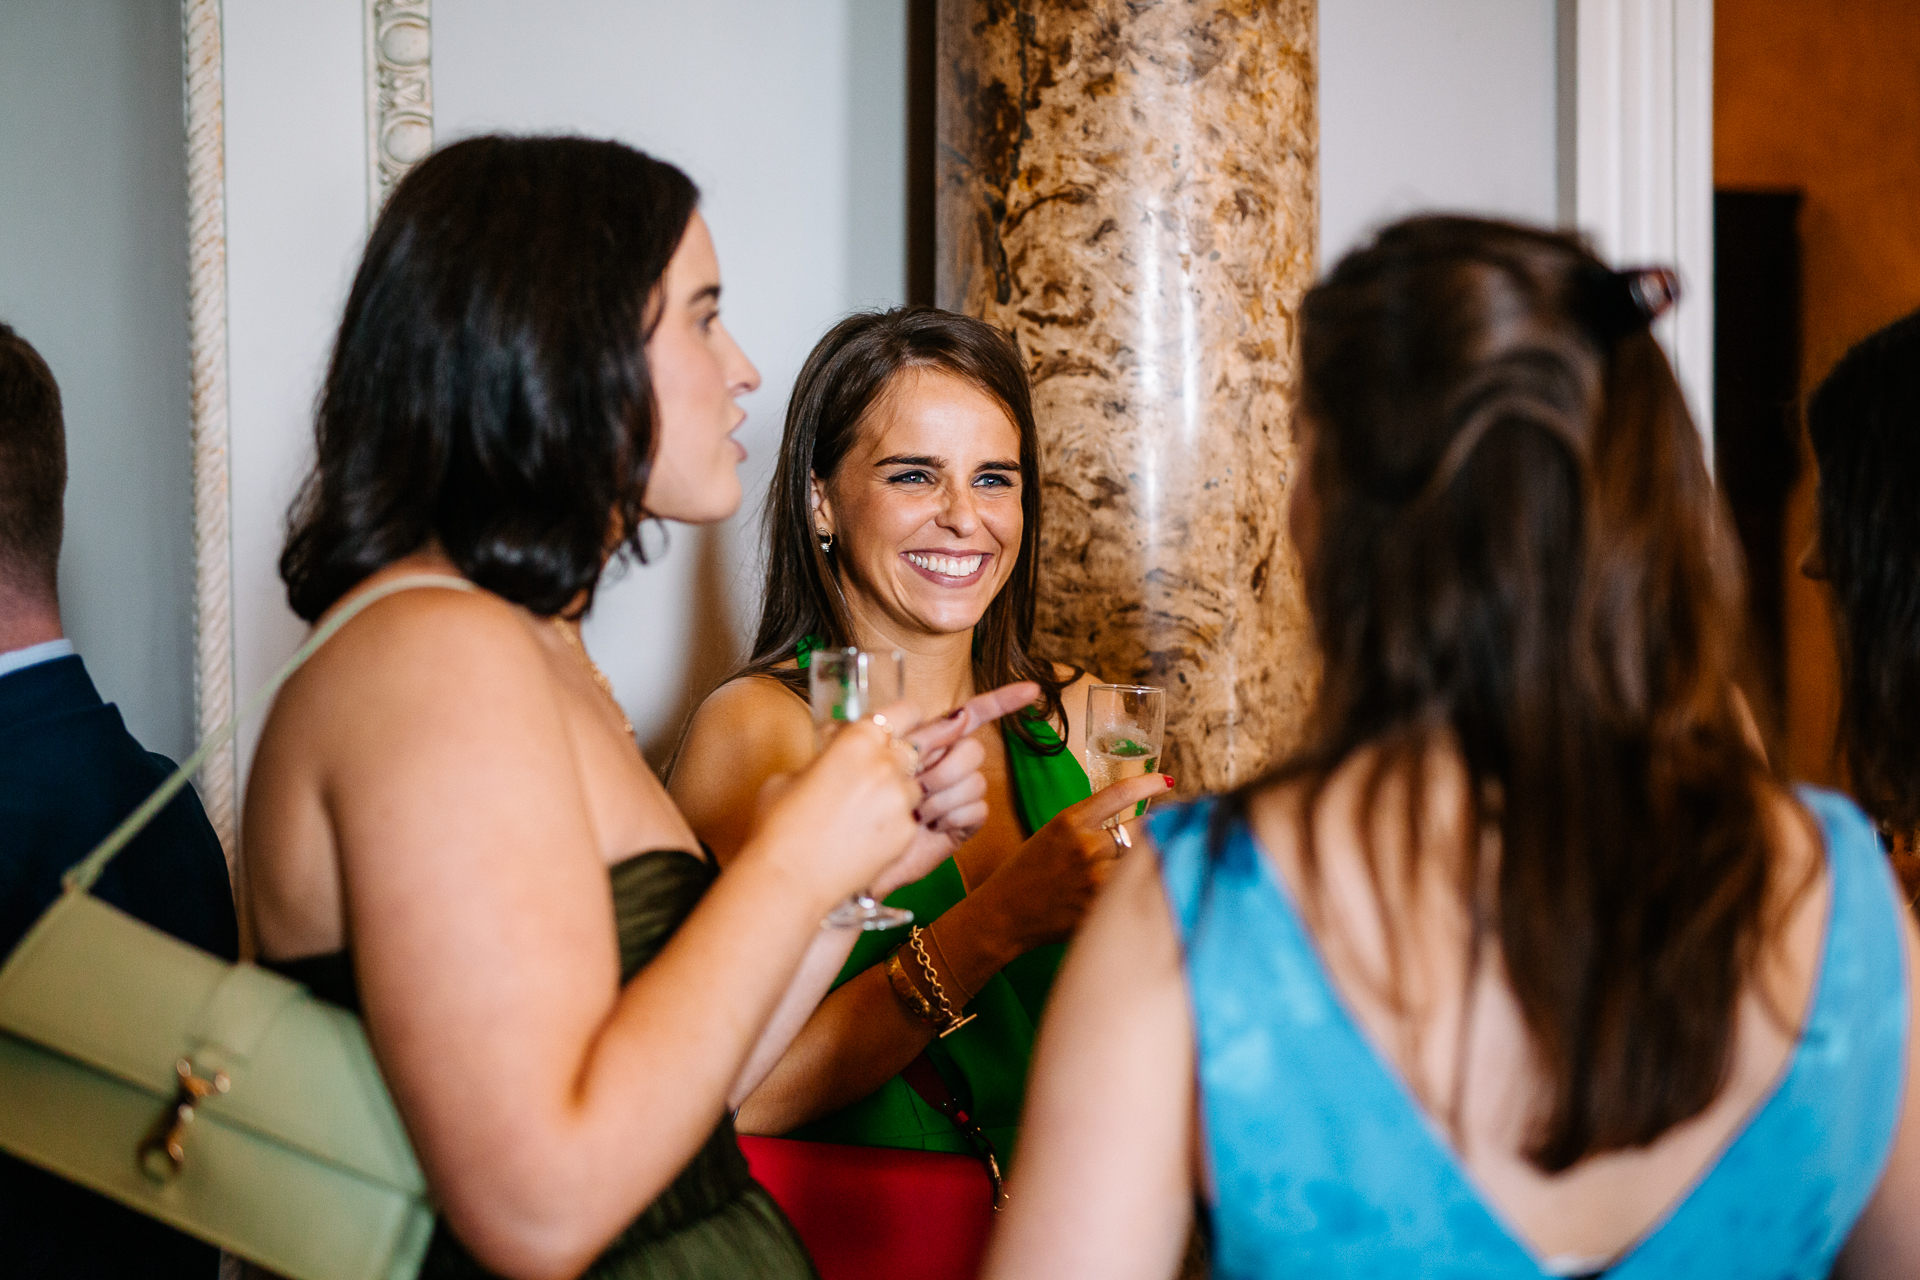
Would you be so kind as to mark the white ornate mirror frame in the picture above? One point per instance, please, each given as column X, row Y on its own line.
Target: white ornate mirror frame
column 399, row 89
column 207, row 328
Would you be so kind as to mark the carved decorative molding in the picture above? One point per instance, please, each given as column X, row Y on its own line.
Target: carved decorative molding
column 207, row 329
column 399, row 93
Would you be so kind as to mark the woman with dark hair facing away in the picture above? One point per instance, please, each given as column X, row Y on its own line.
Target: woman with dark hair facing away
column 905, row 514
column 449, row 827
column 1864, row 421
column 1523, row 964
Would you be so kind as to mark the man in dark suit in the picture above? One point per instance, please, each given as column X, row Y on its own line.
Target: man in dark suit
column 69, row 772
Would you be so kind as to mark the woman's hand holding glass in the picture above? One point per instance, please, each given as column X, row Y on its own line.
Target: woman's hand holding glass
column 860, row 803
column 1043, row 891
column 850, row 813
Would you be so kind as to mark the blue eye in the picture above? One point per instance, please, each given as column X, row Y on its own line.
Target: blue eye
column 909, row 477
column 996, row 479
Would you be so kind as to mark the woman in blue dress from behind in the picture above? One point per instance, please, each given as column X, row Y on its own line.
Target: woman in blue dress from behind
column 1523, row 964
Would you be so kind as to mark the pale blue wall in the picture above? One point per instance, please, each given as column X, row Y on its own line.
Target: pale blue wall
column 1434, row 104
column 93, row 272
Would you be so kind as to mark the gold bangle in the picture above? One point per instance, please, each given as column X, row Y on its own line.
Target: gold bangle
column 950, row 1021
column 908, row 994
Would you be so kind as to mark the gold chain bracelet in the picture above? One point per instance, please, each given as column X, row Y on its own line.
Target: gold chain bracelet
column 966, row 997
column 950, row 1021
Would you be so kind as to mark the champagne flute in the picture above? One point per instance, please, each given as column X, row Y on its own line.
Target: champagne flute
column 1125, row 726
column 848, row 685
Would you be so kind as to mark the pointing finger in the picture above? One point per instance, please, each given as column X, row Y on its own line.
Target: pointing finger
column 1121, row 797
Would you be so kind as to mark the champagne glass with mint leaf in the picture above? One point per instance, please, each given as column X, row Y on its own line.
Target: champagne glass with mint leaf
column 1125, row 727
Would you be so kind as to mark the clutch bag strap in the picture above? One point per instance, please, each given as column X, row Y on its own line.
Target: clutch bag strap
column 924, row 1079
column 81, row 875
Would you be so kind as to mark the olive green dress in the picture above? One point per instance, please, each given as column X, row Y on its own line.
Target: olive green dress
column 985, row 1062
column 713, row 1220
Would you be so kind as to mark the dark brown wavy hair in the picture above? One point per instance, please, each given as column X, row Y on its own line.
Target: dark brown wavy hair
column 489, row 388
column 1864, row 421
column 1513, row 550
column 844, row 377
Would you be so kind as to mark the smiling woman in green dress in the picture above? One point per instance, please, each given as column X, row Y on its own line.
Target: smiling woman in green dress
column 904, row 515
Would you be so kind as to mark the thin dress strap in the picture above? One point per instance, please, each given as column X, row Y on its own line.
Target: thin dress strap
column 80, row 877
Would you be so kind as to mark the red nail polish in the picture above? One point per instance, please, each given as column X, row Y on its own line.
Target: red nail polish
column 1169, row 779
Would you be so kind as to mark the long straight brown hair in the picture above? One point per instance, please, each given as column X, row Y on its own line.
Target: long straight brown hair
column 1512, row 549
column 847, row 373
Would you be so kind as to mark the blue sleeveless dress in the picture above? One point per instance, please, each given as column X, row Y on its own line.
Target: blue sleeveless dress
column 1324, row 1164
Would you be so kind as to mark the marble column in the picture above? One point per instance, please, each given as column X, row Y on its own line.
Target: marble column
column 1129, row 188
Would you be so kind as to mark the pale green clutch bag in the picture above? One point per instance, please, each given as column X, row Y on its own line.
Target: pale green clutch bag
column 220, row 1098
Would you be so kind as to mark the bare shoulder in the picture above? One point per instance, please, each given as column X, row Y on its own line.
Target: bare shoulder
column 1139, row 900
column 1795, row 831
column 744, row 733
column 1074, row 692
column 1095, row 1197
column 431, row 709
column 1798, row 894
column 423, row 647
column 1273, row 813
column 1073, row 702
column 426, row 633
column 1121, row 995
column 752, row 714
column 1129, row 935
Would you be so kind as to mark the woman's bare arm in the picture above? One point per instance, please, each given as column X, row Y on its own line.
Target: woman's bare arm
column 547, row 1104
column 745, row 733
column 1885, row 1244
column 1104, row 1183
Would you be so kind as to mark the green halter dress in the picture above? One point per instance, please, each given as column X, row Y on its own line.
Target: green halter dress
column 985, row 1062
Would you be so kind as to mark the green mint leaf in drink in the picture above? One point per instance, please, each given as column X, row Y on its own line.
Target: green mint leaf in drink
column 1118, row 757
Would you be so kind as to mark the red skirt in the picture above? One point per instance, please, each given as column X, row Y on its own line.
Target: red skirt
column 879, row 1213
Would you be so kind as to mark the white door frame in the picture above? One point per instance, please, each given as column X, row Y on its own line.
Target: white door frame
column 1636, row 157
column 399, row 95
column 204, row 72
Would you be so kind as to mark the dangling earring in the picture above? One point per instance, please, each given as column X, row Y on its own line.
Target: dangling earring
column 826, row 541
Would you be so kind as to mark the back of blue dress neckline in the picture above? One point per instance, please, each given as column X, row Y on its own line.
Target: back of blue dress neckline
column 1320, row 1152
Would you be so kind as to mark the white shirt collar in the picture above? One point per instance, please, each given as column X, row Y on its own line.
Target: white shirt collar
column 33, row 655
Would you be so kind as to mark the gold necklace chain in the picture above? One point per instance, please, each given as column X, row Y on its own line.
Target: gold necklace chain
column 570, row 632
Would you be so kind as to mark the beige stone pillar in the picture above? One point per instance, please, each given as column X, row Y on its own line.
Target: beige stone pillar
column 1129, row 188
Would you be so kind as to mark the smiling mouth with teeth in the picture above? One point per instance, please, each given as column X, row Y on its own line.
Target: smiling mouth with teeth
column 947, row 566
